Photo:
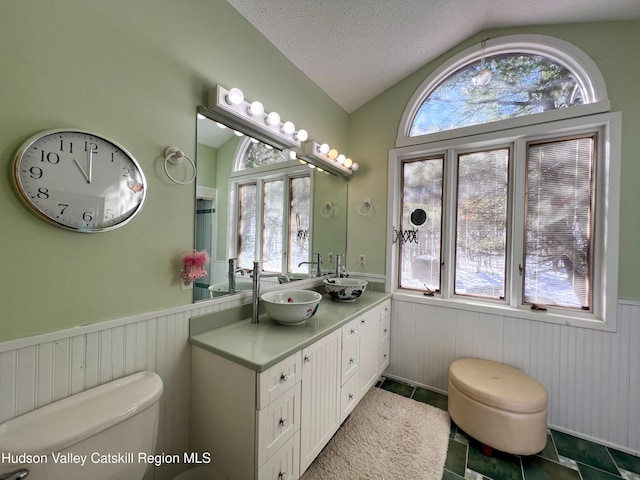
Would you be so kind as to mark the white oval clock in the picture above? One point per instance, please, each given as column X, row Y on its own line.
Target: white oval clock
column 79, row 180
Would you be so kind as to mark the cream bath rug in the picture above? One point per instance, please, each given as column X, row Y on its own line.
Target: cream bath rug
column 386, row 437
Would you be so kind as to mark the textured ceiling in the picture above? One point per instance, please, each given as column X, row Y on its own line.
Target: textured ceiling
column 355, row 49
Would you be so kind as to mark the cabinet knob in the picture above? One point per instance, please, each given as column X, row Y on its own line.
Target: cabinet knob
column 283, row 476
column 352, row 360
column 307, row 359
column 284, row 377
column 283, row 422
column 386, row 330
column 385, row 355
column 363, row 322
column 353, row 331
column 351, row 396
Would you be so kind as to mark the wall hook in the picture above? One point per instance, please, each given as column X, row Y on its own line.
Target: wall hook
column 175, row 156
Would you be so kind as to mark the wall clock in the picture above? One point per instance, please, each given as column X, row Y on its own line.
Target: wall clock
column 79, row 180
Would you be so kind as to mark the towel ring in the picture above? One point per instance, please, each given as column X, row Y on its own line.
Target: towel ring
column 365, row 208
column 175, row 156
column 327, row 209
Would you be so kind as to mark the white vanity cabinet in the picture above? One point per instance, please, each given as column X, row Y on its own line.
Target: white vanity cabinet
column 271, row 425
column 249, row 422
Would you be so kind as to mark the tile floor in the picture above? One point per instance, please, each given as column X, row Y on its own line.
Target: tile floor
column 564, row 458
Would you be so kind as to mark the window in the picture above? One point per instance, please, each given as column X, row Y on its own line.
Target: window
column 509, row 207
column 273, row 198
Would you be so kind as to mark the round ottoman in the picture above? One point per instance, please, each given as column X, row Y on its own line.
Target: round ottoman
column 498, row 405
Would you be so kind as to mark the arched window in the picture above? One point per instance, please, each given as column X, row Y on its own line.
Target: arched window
column 501, row 80
column 505, row 186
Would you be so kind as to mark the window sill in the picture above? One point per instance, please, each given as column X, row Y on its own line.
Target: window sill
column 524, row 313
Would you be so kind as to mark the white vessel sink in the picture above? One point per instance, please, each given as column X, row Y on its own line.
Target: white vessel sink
column 291, row 307
column 345, row 289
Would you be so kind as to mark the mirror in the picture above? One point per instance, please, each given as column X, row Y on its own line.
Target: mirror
column 224, row 233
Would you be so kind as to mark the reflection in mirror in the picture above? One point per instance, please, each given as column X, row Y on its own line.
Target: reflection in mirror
column 257, row 202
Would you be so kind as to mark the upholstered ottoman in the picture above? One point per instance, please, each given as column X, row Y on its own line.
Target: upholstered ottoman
column 501, row 406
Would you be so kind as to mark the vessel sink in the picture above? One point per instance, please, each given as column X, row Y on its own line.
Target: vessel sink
column 223, row 287
column 345, row 289
column 291, row 307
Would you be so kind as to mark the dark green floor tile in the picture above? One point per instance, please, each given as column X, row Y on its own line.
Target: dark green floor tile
column 397, row 387
column 456, row 457
column 436, row 399
column 625, row 461
column 590, row 473
column 538, row 468
column 549, row 451
column 499, row 466
column 584, row 451
column 447, row 475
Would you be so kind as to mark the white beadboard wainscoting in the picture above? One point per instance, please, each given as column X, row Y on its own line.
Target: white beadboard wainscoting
column 592, row 376
column 36, row 371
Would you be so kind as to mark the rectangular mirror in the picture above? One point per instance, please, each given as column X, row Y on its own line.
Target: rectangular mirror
column 257, row 202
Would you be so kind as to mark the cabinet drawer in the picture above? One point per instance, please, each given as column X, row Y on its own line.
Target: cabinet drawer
column 285, row 463
column 385, row 327
column 383, row 356
column 350, row 330
column 279, row 378
column 350, row 358
column 348, row 397
column 277, row 422
column 385, row 308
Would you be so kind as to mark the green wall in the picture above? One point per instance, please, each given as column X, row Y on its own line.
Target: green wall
column 373, row 130
column 133, row 71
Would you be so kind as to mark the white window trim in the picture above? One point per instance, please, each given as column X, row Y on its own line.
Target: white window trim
column 568, row 55
column 604, row 316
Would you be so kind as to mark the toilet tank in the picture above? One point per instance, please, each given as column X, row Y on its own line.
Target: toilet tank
column 99, row 434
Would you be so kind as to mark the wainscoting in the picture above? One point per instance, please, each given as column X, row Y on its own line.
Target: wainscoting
column 592, row 377
column 38, row 370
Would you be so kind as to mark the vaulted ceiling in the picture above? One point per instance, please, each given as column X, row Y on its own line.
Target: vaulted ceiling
column 355, row 49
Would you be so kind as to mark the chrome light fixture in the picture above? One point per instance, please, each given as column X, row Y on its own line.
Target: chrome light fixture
column 251, row 119
column 327, row 158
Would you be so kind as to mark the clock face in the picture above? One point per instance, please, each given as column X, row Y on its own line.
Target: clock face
column 79, row 180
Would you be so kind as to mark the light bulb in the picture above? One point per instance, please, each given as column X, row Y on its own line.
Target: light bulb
column 221, row 125
column 311, row 165
column 239, row 134
column 348, row 162
column 302, row 135
column 273, row 119
column 319, row 169
column 256, row 109
column 333, row 153
column 302, row 162
column 254, row 140
column 292, row 155
column 324, row 148
column 355, row 166
column 341, row 159
column 235, row 96
column 201, row 116
column 288, row 128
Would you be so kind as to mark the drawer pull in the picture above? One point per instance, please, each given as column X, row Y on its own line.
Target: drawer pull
column 351, row 396
column 352, row 361
column 385, row 355
column 386, row 330
column 283, row 422
column 284, row 377
column 283, row 476
column 353, row 331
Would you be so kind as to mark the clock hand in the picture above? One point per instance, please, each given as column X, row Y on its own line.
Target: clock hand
column 82, row 170
column 90, row 165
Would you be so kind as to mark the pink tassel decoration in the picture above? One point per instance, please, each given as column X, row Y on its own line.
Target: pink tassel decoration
column 193, row 266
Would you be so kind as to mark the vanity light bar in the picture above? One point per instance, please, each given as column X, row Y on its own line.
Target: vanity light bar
column 329, row 159
column 251, row 119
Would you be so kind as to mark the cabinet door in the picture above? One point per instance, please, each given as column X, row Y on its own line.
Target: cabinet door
column 369, row 328
column 320, row 396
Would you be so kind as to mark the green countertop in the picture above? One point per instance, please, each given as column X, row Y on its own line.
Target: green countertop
column 260, row 346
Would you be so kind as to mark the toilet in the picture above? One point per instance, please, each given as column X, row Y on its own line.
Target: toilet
column 98, row 434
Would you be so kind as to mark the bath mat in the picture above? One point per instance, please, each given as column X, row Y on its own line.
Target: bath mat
column 386, row 437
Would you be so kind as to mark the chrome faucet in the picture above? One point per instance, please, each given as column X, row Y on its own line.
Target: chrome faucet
column 255, row 291
column 318, row 262
column 233, row 269
column 339, row 267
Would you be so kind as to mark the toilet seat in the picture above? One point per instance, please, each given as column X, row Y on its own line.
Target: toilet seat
column 201, row 473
